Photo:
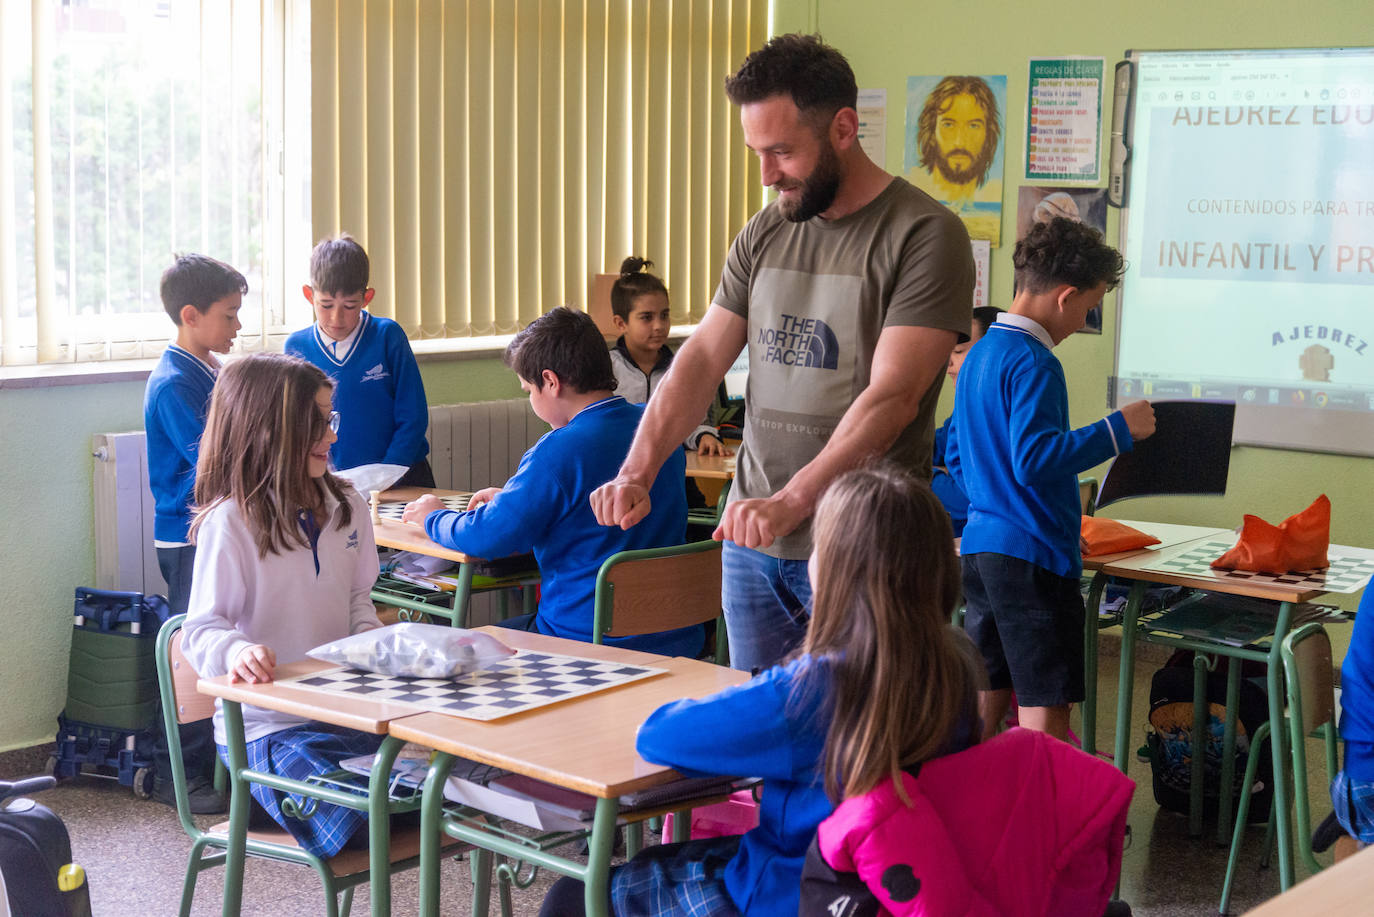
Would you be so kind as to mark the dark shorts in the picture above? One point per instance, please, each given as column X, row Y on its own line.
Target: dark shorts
column 1028, row 625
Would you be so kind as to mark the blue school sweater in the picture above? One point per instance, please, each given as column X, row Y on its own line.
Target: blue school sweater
column 546, row 508
column 1011, row 450
column 1357, row 694
column 378, row 393
column 942, row 483
column 771, row 727
column 174, row 408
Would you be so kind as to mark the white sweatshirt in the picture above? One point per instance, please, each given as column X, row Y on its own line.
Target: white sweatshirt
column 239, row 599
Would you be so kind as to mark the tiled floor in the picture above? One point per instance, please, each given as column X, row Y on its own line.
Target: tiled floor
column 134, row 851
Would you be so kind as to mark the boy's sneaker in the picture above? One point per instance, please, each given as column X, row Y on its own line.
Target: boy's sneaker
column 201, row 794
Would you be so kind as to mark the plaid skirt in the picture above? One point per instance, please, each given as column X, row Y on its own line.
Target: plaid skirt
column 676, row 880
column 301, row 752
column 1354, row 804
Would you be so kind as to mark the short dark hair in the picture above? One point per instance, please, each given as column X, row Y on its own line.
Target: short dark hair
column 984, row 316
column 1065, row 251
column 339, row 266
column 200, row 281
column 814, row 75
column 568, row 343
column 634, row 281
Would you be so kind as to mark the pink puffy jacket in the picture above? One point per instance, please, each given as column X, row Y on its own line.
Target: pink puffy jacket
column 1022, row 825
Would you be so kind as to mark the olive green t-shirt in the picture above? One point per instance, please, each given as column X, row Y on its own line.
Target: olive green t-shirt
column 816, row 296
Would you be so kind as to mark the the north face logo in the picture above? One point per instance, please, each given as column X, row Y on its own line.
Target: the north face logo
column 375, row 374
column 807, row 342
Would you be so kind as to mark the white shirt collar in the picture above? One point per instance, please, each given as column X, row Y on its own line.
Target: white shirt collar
column 1028, row 325
column 339, row 351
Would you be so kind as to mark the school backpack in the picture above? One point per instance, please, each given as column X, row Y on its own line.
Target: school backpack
column 1170, row 736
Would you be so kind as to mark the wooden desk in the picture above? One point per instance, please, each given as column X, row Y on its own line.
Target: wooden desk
column 710, row 467
column 585, row 744
column 354, row 713
column 1134, row 568
column 1344, row 889
column 404, row 536
column 1169, row 535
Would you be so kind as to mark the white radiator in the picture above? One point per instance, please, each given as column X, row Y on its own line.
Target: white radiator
column 471, row 446
column 124, row 554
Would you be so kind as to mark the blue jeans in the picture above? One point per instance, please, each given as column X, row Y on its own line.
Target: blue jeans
column 176, row 566
column 767, row 605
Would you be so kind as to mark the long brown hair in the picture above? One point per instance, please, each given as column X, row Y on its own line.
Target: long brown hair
column 263, row 421
column 887, row 580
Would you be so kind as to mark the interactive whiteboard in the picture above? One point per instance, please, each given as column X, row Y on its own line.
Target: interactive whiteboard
column 1248, row 232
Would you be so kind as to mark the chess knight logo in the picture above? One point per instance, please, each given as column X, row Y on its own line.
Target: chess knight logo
column 1323, row 342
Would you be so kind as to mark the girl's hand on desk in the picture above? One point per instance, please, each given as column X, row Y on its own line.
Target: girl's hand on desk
column 416, row 511
column 485, row 495
column 254, row 665
column 709, row 445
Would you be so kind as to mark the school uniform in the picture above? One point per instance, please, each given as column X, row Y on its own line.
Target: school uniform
column 545, row 508
column 1352, row 791
column 377, row 391
column 942, row 484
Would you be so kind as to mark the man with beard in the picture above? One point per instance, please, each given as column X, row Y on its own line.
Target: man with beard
column 850, row 289
column 957, row 135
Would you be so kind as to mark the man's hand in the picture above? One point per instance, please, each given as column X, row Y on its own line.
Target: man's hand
column 620, row 501
column 709, row 445
column 485, row 495
column 1140, row 418
column 416, row 511
column 758, row 522
column 254, row 665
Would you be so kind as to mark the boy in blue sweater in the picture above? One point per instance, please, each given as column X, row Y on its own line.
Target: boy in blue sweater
column 563, row 364
column 1011, row 451
column 202, row 296
column 377, row 386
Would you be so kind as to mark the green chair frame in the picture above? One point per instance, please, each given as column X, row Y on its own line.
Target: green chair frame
column 657, row 589
column 182, row 703
column 1311, row 696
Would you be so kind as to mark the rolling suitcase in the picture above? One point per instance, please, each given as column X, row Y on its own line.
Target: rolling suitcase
column 36, row 869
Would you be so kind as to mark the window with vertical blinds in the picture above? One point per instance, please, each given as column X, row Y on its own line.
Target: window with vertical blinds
column 131, row 130
column 493, row 155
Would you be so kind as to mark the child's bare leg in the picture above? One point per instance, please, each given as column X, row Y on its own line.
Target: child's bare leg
column 992, row 707
column 1053, row 720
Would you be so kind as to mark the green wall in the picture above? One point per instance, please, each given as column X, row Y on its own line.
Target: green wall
column 46, row 521
column 888, row 40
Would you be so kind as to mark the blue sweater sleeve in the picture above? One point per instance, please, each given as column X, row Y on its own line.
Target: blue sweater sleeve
column 742, row 731
column 1040, row 449
column 512, row 522
column 180, row 413
column 411, row 410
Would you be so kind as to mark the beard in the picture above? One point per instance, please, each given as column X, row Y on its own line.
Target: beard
column 818, row 189
column 959, row 176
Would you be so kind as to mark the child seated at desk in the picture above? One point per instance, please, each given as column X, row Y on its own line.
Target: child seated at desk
column 377, row 382
column 886, row 580
column 1011, row 450
column 941, row 482
column 562, row 362
column 285, row 561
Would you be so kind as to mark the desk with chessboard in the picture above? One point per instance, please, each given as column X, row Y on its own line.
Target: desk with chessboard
column 1187, row 564
column 391, row 532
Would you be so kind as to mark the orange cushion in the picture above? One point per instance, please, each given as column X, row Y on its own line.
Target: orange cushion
column 1297, row 543
column 1107, row 536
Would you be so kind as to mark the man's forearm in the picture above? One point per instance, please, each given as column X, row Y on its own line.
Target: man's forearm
column 674, row 411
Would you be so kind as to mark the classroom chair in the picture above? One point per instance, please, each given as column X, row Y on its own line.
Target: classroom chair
column 182, row 703
column 658, row 589
column 1311, row 697
column 1087, row 495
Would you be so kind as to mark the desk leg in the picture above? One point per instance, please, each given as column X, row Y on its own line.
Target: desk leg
column 1228, row 751
column 461, row 594
column 379, row 826
column 431, row 811
column 1197, row 775
column 1126, row 681
column 238, row 811
column 1278, row 745
column 597, row 893
column 1090, row 624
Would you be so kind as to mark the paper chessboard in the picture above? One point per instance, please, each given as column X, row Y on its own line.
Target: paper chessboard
column 525, row 681
column 1345, row 573
column 393, row 511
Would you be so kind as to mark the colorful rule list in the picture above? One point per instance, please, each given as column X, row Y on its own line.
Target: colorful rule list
column 1063, row 121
